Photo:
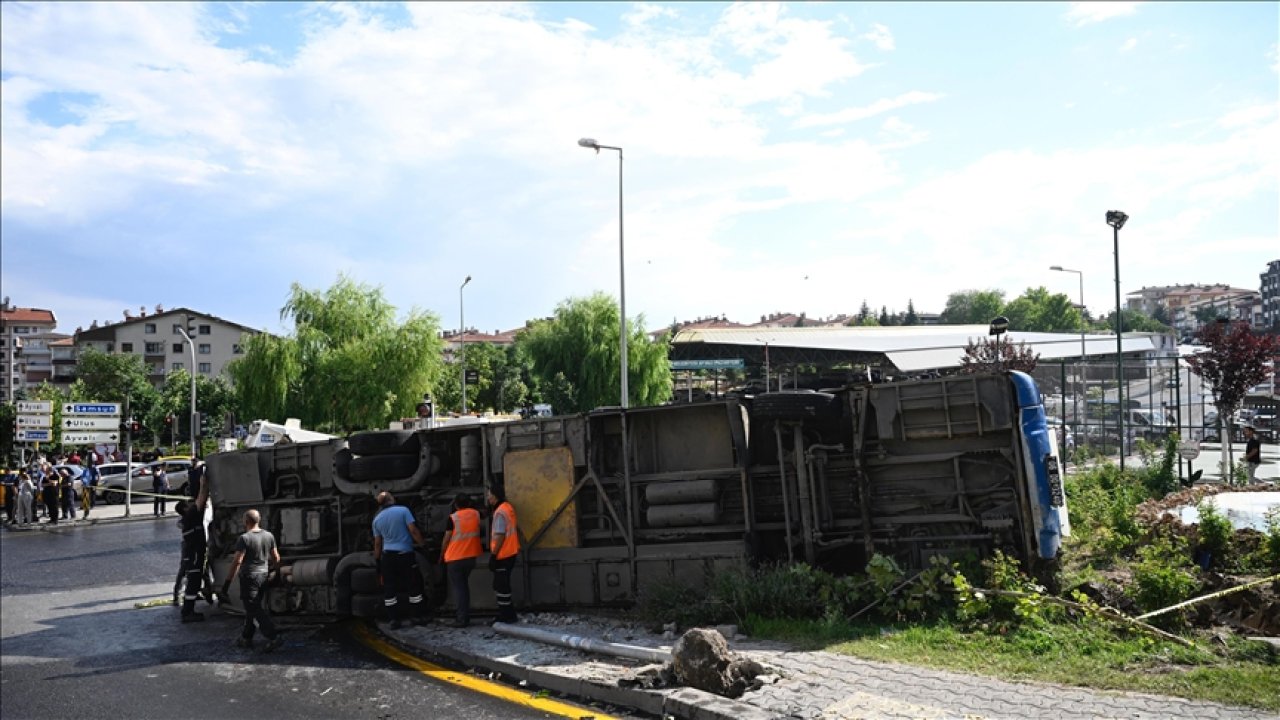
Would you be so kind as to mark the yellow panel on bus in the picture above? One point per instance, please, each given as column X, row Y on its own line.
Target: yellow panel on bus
column 537, row 481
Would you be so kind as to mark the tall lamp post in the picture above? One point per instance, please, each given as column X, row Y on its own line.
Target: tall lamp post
column 999, row 326
column 622, row 268
column 186, row 335
column 462, row 342
column 1080, row 277
column 1116, row 220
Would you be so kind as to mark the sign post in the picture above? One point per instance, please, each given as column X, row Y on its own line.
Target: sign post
column 34, row 422
column 92, row 423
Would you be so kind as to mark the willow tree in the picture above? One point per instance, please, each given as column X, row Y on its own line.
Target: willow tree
column 348, row 363
column 575, row 357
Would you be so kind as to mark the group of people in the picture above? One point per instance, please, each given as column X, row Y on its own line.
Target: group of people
column 55, row 486
column 395, row 534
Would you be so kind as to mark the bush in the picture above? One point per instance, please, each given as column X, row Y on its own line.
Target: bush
column 1214, row 533
column 1159, row 478
column 1161, row 577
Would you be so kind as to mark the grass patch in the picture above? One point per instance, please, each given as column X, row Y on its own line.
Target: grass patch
column 1070, row 653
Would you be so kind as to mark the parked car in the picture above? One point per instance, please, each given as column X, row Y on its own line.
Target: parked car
column 111, row 487
column 176, row 468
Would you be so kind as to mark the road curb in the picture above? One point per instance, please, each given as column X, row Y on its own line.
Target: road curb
column 80, row 522
column 686, row 703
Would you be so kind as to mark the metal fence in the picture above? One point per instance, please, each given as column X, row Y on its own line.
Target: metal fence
column 1160, row 396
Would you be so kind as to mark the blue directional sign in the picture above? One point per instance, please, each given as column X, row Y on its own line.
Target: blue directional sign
column 725, row 364
column 104, row 409
column 35, row 435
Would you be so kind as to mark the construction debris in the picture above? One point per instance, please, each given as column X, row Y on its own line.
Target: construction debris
column 702, row 659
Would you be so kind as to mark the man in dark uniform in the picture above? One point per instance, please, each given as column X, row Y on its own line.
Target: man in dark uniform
column 1252, row 453
column 194, row 547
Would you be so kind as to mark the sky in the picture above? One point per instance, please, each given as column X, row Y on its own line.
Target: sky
column 777, row 158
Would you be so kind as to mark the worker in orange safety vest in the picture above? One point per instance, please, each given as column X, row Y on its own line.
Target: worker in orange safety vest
column 504, row 545
column 459, row 551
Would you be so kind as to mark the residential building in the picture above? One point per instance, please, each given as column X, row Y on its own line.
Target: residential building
column 1270, row 291
column 1172, row 297
column 158, row 339
column 454, row 339
column 19, row 328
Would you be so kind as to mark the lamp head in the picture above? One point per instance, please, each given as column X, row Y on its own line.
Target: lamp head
column 1056, row 267
column 1116, row 219
column 464, row 282
column 999, row 326
column 589, row 143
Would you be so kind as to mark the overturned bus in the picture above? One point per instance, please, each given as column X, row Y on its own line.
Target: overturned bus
column 612, row 501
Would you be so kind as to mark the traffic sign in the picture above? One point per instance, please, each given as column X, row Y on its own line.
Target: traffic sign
column 89, row 438
column 34, row 421
column 34, row 435
column 99, row 409
column 91, row 423
column 723, row 364
column 35, row 407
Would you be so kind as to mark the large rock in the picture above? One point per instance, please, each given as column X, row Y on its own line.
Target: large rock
column 701, row 658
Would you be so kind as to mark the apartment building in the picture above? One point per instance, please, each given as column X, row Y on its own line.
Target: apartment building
column 1271, row 296
column 453, row 340
column 158, row 339
column 24, row 355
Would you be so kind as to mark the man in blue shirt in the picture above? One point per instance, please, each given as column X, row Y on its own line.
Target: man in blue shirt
column 395, row 533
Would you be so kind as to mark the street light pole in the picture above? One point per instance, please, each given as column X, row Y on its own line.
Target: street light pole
column 1116, row 220
column 462, row 340
column 999, row 326
column 622, row 269
column 1083, row 357
column 192, row 345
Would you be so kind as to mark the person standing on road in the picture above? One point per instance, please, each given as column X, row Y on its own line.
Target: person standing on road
column 256, row 554
column 395, row 533
column 26, row 499
column 66, row 486
column 459, row 551
column 89, row 485
column 195, row 546
column 504, row 545
column 10, row 480
column 159, row 486
column 1252, row 453
column 49, row 489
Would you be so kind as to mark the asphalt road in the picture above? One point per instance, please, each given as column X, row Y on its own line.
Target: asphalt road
column 73, row 645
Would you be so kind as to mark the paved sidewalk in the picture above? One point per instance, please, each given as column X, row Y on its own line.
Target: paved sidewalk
column 818, row 685
column 100, row 514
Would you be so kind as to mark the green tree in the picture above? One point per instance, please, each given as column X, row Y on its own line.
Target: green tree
column 911, row 318
column 214, row 398
column 972, row 307
column 1037, row 311
column 502, row 385
column 885, row 318
column 1134, row 321
column 1207, row 314
column 868, row 321
column 863, row 312
column 114, row 377
column 347, row 365
column 574, row 356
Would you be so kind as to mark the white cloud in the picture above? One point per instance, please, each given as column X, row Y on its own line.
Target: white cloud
column 643, row 12
column 881, row 36
column 1129, row 44
column 1273, row 55
column 878, row 107
column 1084, row 13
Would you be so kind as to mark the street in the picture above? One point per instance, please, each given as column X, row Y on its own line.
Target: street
column 75, row 646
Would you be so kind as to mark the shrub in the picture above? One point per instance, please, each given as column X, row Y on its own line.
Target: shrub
column 1214, row 533
column 1160, row 478
column 1160, row 577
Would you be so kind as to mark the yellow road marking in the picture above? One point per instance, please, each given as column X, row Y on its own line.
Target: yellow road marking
column 475, row 684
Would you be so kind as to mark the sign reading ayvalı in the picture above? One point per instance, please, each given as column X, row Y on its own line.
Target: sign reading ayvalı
column 99, row 409
column 90, row 438
column 35, row 407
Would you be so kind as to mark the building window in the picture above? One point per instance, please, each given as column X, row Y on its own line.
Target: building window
column 177, row 348
column 155, row 348
column 205, row 348
column 237, row 349
column 18, row 330
column 206, row 330
column 206, row 368
column 149, row 328
column 176, row 366
column 126, row 347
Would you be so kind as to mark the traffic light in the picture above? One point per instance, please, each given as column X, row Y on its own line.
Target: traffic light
column 168, row 421
column 206, row 425
column 426, row 409
column 134, row 427
column 197, row 423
